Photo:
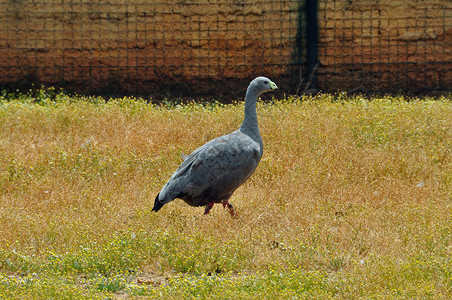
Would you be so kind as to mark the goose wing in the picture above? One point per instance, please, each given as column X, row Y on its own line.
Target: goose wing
column 213, row 171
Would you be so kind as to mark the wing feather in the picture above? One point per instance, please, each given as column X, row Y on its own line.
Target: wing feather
column 214, row 170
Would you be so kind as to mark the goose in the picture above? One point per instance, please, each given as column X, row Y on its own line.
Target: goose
column 212, row 173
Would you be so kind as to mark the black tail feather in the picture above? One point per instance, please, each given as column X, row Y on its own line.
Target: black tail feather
column 157, row 204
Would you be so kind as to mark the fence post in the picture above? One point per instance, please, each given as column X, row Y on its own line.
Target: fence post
column 312, row 40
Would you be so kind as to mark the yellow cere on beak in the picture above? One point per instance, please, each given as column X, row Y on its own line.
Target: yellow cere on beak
column 273, row 85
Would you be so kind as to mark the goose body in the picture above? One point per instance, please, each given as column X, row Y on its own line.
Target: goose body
column 212, row 173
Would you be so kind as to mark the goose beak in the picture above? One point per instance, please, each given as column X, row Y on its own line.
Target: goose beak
column 273, row 85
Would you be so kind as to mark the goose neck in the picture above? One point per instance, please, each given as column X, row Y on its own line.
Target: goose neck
column 250, row 124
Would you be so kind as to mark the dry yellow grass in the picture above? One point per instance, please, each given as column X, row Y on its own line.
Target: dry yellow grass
column 353, row 196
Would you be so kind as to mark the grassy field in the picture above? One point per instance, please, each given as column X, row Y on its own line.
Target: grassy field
column 352, row 199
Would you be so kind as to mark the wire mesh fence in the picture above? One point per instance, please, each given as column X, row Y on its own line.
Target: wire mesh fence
column 385, row 45
column 142, row 46
column 213, row 47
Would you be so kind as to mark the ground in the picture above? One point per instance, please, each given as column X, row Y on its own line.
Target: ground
column 351, row 200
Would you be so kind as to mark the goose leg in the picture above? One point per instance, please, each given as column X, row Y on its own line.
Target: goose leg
column 230, row 207
column 208, row 207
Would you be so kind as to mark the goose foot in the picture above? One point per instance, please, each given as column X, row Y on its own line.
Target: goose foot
column 230, row 207
column 208, row 207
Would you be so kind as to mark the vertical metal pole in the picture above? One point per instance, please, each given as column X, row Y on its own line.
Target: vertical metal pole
column 312, row 40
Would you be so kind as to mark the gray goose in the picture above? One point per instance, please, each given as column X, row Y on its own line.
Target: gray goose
column 212, row 173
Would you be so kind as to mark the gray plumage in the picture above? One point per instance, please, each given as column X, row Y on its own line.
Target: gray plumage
column 212, row 173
